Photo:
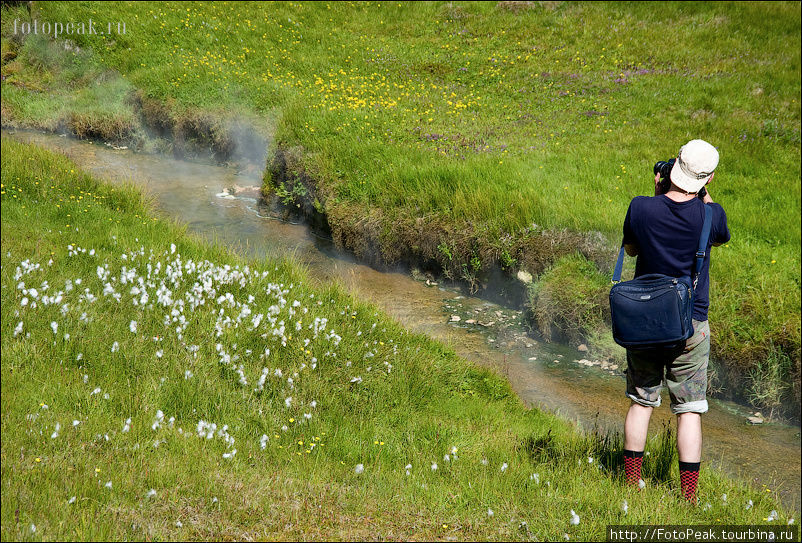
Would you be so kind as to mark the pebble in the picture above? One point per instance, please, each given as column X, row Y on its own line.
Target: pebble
column 455, row 318
column 524, row 277
column 582, row 348
column 756, row 418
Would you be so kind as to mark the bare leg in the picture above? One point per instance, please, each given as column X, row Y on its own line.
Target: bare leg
column 689, row 437
column 636, row 426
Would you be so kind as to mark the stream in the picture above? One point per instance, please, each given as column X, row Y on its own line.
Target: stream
column 544, row 375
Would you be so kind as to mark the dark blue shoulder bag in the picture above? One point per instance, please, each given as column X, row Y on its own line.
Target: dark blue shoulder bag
column 655, row 310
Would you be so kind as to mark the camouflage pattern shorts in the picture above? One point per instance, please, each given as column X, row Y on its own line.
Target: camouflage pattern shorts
column 683, row 370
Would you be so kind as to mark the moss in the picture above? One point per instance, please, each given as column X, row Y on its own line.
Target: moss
column 115, row 129
column 569, row 299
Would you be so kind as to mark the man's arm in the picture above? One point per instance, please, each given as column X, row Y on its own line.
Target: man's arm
column 629, row 236
column 708, row 200
column 631, row 249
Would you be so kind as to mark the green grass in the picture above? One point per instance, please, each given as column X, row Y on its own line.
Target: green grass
column 482, row 121
column 70, row 237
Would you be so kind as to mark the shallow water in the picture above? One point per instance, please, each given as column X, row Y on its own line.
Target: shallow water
column 544, row 375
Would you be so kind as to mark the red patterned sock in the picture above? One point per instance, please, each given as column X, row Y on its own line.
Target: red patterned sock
column 632, row 464
column 689, row 477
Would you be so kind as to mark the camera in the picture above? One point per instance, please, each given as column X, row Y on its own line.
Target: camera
column 663, row 168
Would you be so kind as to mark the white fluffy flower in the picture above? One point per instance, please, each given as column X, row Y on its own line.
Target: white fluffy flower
column 772, row 516
column 574, row 518
column 158, row 421
column 359, row 469
column 132, row 327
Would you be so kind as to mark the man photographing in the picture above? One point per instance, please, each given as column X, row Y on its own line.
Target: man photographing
column 663, row 231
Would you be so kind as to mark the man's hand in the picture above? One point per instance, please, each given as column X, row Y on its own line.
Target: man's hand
column 657, row 191
column 707, row 199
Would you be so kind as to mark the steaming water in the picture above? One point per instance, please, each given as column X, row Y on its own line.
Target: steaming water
column 544, row 375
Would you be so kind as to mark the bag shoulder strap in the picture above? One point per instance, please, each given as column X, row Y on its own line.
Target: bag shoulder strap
column 619, row 266
column 701, row 251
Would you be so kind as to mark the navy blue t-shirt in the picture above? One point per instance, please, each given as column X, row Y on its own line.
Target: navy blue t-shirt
column 667, row 233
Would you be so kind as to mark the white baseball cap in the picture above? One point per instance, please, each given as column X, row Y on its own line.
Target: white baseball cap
column 694, row 166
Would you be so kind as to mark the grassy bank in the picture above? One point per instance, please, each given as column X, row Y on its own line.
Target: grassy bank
column 466, row 136
column 124, row 339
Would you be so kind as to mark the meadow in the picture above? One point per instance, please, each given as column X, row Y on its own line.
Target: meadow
column 468, row 136
column 158, row 387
